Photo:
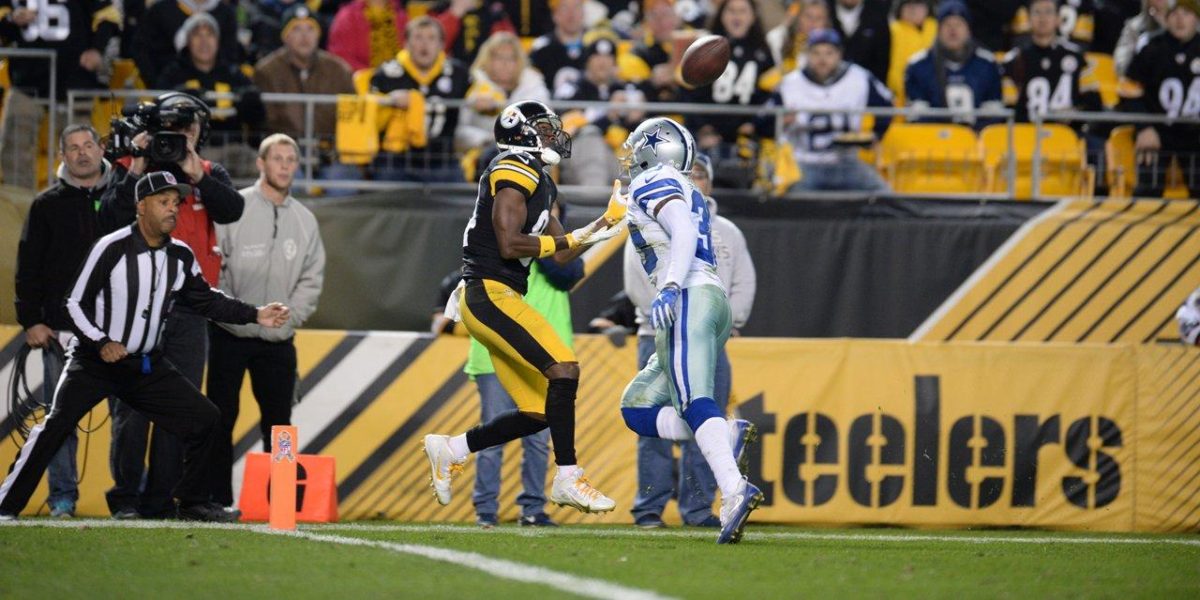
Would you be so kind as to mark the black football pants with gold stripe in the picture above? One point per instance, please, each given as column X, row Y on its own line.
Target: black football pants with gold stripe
column 522, row 345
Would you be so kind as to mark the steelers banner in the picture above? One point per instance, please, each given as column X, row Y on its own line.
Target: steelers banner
column 1097, row 437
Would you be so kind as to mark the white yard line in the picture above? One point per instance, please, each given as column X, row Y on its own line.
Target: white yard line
column 496, row 567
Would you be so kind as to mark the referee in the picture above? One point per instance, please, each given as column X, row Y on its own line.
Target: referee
column 127, row 287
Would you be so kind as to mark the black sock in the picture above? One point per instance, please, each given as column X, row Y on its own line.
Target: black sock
column 560, row 416
column 503, row 429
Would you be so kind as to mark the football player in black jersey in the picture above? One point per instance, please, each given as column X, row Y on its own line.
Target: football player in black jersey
column 1047, row 73
column 1164, row 79
column 510, row 227
column 422, row 70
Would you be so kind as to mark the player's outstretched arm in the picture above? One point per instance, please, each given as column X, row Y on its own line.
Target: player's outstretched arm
column 508, row 217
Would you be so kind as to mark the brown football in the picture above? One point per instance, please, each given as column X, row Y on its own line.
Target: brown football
column 704, row 61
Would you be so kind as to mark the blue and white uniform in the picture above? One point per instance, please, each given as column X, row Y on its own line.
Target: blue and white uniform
column 682, row 369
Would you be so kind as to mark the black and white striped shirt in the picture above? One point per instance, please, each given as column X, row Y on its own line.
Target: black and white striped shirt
column 126, row 289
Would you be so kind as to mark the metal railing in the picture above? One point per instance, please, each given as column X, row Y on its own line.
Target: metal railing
column 311, row 142
column 51, row 103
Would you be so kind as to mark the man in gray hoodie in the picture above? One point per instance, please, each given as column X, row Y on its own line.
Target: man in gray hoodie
column 274, row 251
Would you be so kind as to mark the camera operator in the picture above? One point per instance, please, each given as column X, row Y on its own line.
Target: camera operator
column 213, row 199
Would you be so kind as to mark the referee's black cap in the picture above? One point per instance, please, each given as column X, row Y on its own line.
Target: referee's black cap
column 159, row 181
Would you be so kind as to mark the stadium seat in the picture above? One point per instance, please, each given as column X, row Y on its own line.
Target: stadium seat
column 1106, row 73
column 1121, row 167
column 1062, row 157
column 931, row 158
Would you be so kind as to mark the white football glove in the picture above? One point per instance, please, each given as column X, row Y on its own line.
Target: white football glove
column 594, row 233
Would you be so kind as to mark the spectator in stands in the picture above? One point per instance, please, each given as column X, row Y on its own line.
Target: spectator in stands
column 185, row 337
column 300, row 67
column 603, row 131
column 1047, row 73
column 748, row 80
column 1188, row 317
column 532, row 18
column 954, row 73
column 692, row 482
column 265, row 20
column 559, row 54
column 418, row 140
column 1137, row 30
column 1164, row 79
column 155, row 41
column 863, row 25
column 469, row 23
column 1076, row 23
column 368, row 33
column 77, row 32
column 273, row 251
column 198, row 70
column 650, row 59
column 913, row 30
column 549, row 294
column 788, row 41
column 59, row 231
column 501, row 73
column 826, row 144
column 990, row 21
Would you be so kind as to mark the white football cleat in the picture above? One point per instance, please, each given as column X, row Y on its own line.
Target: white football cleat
column 735, row 510
column 442, row 466
column 577, row 492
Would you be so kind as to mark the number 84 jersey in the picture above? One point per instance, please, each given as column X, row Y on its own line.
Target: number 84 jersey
column 647, row 192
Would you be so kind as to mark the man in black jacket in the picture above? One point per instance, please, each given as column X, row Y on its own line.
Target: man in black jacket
column 212, row 199
column 863, row 25
column 154, row 40
column 117, row 306
column 60, row 227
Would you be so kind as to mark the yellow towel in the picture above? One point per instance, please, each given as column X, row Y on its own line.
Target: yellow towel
column 357, row 134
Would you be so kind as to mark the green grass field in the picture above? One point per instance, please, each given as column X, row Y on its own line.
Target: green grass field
column 104, row 559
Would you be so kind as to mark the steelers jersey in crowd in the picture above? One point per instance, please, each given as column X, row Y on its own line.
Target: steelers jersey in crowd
column 1076, row 22
column 748, row 80
column 1164, row 79
column 475, row 27
column 446, row 78
column 70, row 28
column 1039, row 79
column 481, row 252
column 561, row 64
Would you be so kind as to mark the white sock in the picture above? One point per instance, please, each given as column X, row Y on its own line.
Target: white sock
column 565, row 471
column 458, row 447
column 713, row 439
column 671, row 427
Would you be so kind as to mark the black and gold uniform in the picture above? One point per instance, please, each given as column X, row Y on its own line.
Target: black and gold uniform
column 1039, row 79
column 1164, row 79
column 446, row 78
column 520, row 340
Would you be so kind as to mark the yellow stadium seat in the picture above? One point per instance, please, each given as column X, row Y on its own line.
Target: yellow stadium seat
column 1120, row 170
column 1062, row 156
column 1106, row 73
column 931, row 158
column 362, row 80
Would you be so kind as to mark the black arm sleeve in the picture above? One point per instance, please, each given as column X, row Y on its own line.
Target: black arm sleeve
column 209, row 302
column 31, row 253
column 117, row 204
column 223, row 202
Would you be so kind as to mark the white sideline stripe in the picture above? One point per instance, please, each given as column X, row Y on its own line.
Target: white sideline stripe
column 609, row 532
column 779, row 535
column 496, row 567
column 1017, row 237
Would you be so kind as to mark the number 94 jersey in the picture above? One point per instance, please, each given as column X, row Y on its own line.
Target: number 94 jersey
column 647, row 192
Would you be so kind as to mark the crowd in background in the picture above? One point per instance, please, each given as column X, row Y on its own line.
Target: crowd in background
column 964, row 56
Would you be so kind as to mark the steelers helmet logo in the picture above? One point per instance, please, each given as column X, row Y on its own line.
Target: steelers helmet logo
column 1179, row 58
column 1045, row 64
column 510, row 117
column 444, row 85
column 1069, row 64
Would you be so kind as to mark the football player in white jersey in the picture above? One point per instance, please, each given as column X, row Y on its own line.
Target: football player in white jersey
column 672, row 397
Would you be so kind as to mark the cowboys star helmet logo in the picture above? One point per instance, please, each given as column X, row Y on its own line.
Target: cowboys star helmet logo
column 652, row 140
